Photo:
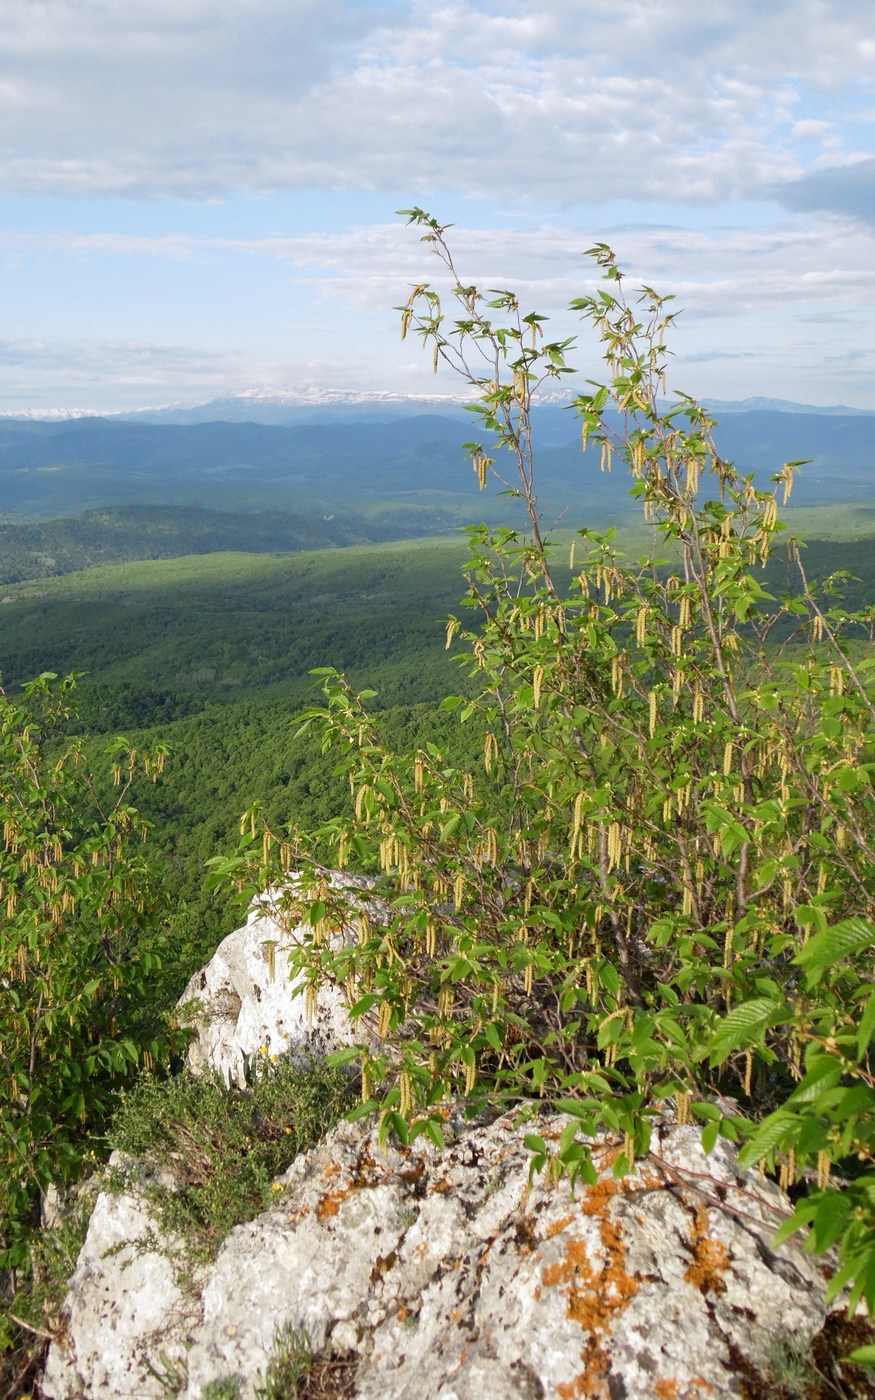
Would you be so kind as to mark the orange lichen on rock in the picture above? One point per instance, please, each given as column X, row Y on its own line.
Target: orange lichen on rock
column 557, row 1227
column 666, row 1390
column 331, row 1203
column 596, row 1293
column 365, row 1173
column 710, row 1262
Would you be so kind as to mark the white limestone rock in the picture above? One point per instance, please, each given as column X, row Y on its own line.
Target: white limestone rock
column 245, row 1004
column 449, row 1276
column 125, row 1315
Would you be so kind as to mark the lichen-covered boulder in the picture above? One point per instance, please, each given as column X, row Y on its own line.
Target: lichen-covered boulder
column 246, row 1004
column 427, row 1275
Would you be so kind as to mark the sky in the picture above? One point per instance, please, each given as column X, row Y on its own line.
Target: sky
column 198, row 197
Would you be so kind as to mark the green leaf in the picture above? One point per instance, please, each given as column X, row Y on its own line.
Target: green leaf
column 824, row 1073
column 862, row 1356
column 775, row 1131
column 833, row 1211
column 867, row 1027
column 843, row 940
column 710, row 1134
column 741, row 1027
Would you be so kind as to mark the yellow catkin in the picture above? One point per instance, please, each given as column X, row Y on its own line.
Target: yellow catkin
column 537, row 679
column 367, row 1086
column 727, row 758
column 310, row 1003
column 490, row 750
column 431, row 938
column 748, row 1072
column 385, row 1019
column 458, row 891
column 470, row 1078
column 824, row 1170
column 682, row 1103
column 271, row 961
column 652, row 709
column 406, row 1093
column 445, row 1000
column 528, row 977
column 605, row 460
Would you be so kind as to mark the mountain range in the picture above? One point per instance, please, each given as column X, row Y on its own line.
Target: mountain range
column 404, row 463
column 273, row 406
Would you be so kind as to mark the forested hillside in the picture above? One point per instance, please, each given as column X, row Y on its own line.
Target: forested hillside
column 402, row 466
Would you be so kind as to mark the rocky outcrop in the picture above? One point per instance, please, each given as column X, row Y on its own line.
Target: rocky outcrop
column 245, row 1004
column 421, row 1275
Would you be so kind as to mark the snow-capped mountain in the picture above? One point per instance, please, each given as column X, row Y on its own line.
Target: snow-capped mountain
column 312, row 403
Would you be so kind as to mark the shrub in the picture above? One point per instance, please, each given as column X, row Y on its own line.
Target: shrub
column 223, row 1146
column 78, row 948
column 658, row 885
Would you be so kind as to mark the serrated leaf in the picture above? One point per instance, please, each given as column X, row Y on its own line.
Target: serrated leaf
column 833, row 1210
column 771, row 1133
column 741, row 1026
column 823, row 1074
column 842, row 940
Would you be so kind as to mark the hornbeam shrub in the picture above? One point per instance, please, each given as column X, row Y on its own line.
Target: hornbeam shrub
column 658, row 884
column 79, row 951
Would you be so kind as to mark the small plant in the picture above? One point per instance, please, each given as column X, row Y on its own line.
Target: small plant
column 791, row 1366
column 228, row 1388
column 224, row 1146
column 296, row 1372
column 290, row 1362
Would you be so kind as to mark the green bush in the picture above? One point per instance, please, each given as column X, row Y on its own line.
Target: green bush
column 223, row 1146
column 658, row 884
column 79, row 947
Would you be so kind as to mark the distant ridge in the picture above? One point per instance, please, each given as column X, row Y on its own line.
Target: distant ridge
column 761, row 405
column 311, row 404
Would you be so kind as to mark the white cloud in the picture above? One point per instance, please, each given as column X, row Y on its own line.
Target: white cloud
column 570, row 99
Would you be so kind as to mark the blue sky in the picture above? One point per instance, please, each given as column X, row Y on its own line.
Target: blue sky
column 198, row 196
